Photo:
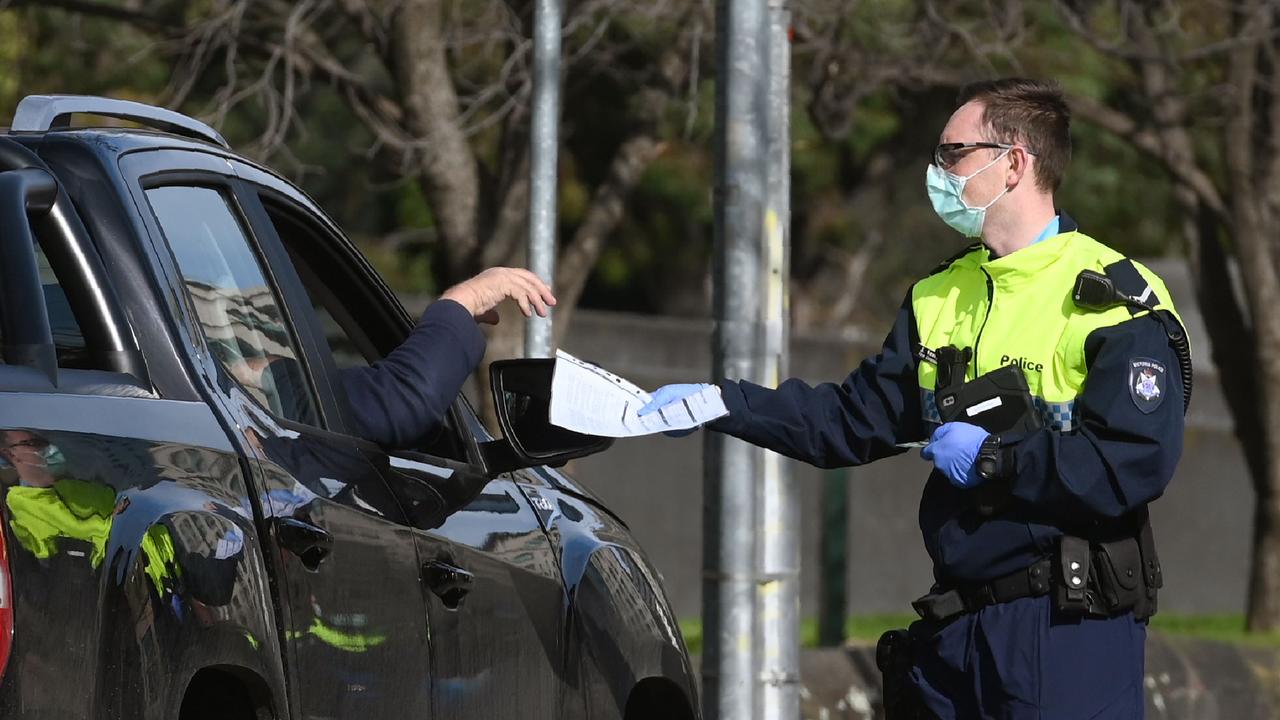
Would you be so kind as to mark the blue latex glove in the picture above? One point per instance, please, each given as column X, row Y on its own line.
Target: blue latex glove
column 954, row 449
column 668, row 394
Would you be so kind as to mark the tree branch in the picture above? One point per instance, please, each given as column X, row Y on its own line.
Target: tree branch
column 450, row 172
column 137, row 18
column 1125, row 127
column 607, row 207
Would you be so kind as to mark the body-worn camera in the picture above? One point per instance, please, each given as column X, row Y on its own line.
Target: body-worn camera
column 999, row 402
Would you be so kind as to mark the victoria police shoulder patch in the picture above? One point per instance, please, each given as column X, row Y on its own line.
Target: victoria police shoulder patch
column 1147, row 384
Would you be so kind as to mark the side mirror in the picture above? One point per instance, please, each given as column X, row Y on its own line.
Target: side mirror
column 522, row 397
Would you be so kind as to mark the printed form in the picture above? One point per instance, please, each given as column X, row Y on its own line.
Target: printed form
column 586, row 398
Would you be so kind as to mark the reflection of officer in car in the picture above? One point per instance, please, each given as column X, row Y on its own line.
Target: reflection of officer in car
column 1041, row 598
column 47, row 510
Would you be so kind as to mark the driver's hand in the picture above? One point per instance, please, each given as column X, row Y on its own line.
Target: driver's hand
column 482, row 294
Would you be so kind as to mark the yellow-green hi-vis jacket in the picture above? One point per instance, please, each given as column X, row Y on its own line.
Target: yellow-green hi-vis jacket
column 1106, row 382
column 1018, row 310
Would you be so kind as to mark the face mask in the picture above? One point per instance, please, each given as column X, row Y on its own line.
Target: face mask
column 53, row 456
column 946, row 192
column 50, row 457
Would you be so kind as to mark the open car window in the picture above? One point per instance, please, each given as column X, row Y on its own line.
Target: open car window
column 358, row 327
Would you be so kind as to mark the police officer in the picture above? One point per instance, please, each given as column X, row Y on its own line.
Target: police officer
column 1021, row 622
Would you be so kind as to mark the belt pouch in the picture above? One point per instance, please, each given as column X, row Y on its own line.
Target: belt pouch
column 1118, row 568
column 1071, row 594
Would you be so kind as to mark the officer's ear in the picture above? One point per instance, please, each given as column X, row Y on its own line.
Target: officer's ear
column 1019, row 166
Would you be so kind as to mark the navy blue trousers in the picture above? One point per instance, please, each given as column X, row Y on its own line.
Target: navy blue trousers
column 1024, row 660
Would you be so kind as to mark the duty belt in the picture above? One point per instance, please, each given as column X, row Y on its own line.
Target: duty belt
column 943, row 604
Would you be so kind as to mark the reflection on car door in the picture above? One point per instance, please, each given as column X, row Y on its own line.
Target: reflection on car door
column 496, row 601
column 343, row 556
column 351, row 570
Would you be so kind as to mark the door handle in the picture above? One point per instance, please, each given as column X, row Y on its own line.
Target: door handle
column 311, row 544
column 449, row 582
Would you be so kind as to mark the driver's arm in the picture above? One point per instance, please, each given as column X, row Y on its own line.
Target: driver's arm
column 400, row 400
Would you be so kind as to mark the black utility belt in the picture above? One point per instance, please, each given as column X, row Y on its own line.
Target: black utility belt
column 942, row 604
column 1099, row 579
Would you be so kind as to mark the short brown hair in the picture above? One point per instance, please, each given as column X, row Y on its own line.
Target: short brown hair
column 1031, row 112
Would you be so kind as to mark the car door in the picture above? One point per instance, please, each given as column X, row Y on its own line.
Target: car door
column 493, row 588
column 345, row 562
column 497, row 602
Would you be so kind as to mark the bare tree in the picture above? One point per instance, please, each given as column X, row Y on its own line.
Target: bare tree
column 848, row 54
column 1202, row 98
column 444, row 88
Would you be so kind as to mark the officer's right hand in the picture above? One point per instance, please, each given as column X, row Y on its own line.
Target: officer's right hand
column 953, row 448
column 482, row 294
column 668, row 394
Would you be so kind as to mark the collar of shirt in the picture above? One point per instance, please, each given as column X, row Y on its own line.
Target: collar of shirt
column 1049, row 230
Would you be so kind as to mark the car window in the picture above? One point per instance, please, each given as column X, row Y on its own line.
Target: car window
column 335, row 295
column 235, row 304
column 351, row 346
column 358, row 333
column 67, row 337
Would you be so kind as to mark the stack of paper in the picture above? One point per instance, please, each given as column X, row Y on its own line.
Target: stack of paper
column 586, row 398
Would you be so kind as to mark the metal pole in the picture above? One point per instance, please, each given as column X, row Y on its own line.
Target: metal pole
column 731, row 488
column 833, row 565
column 543, row 157
column 778, row 594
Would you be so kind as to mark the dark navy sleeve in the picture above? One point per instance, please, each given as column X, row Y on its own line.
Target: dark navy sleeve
column 401, row 399
column 829, row 425
column 1126, row 446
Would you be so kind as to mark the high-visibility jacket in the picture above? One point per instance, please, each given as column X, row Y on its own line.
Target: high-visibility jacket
column 70, row 508
column 1107, row 384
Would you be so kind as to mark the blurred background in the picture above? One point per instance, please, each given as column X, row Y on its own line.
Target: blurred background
column 408, row 121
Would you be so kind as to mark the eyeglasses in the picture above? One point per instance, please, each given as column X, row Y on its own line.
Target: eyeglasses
column 34, row 444
column 947, row 155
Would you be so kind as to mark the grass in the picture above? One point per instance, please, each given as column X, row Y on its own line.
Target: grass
column 1223, row 628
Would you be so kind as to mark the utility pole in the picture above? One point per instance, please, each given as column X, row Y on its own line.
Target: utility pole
column 778, row 589
column 750, row 556
column 544, row 152
column 833, row 562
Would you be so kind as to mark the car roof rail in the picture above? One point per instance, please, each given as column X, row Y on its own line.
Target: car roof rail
column 40, row 113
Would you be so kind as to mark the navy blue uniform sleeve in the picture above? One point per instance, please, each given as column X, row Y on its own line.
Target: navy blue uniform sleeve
column 829, row 425
column 400, row 400
column 1126, row 446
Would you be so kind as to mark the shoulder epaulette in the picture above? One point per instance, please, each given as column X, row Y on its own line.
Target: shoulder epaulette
column 951, row 260
column 1126, row 278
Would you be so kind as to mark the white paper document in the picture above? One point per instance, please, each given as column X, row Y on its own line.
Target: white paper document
column 586, row 398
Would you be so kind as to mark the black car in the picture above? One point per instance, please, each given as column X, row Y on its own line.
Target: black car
column 188, row 536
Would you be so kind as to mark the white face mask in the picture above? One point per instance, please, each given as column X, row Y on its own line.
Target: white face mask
column 946, row 192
